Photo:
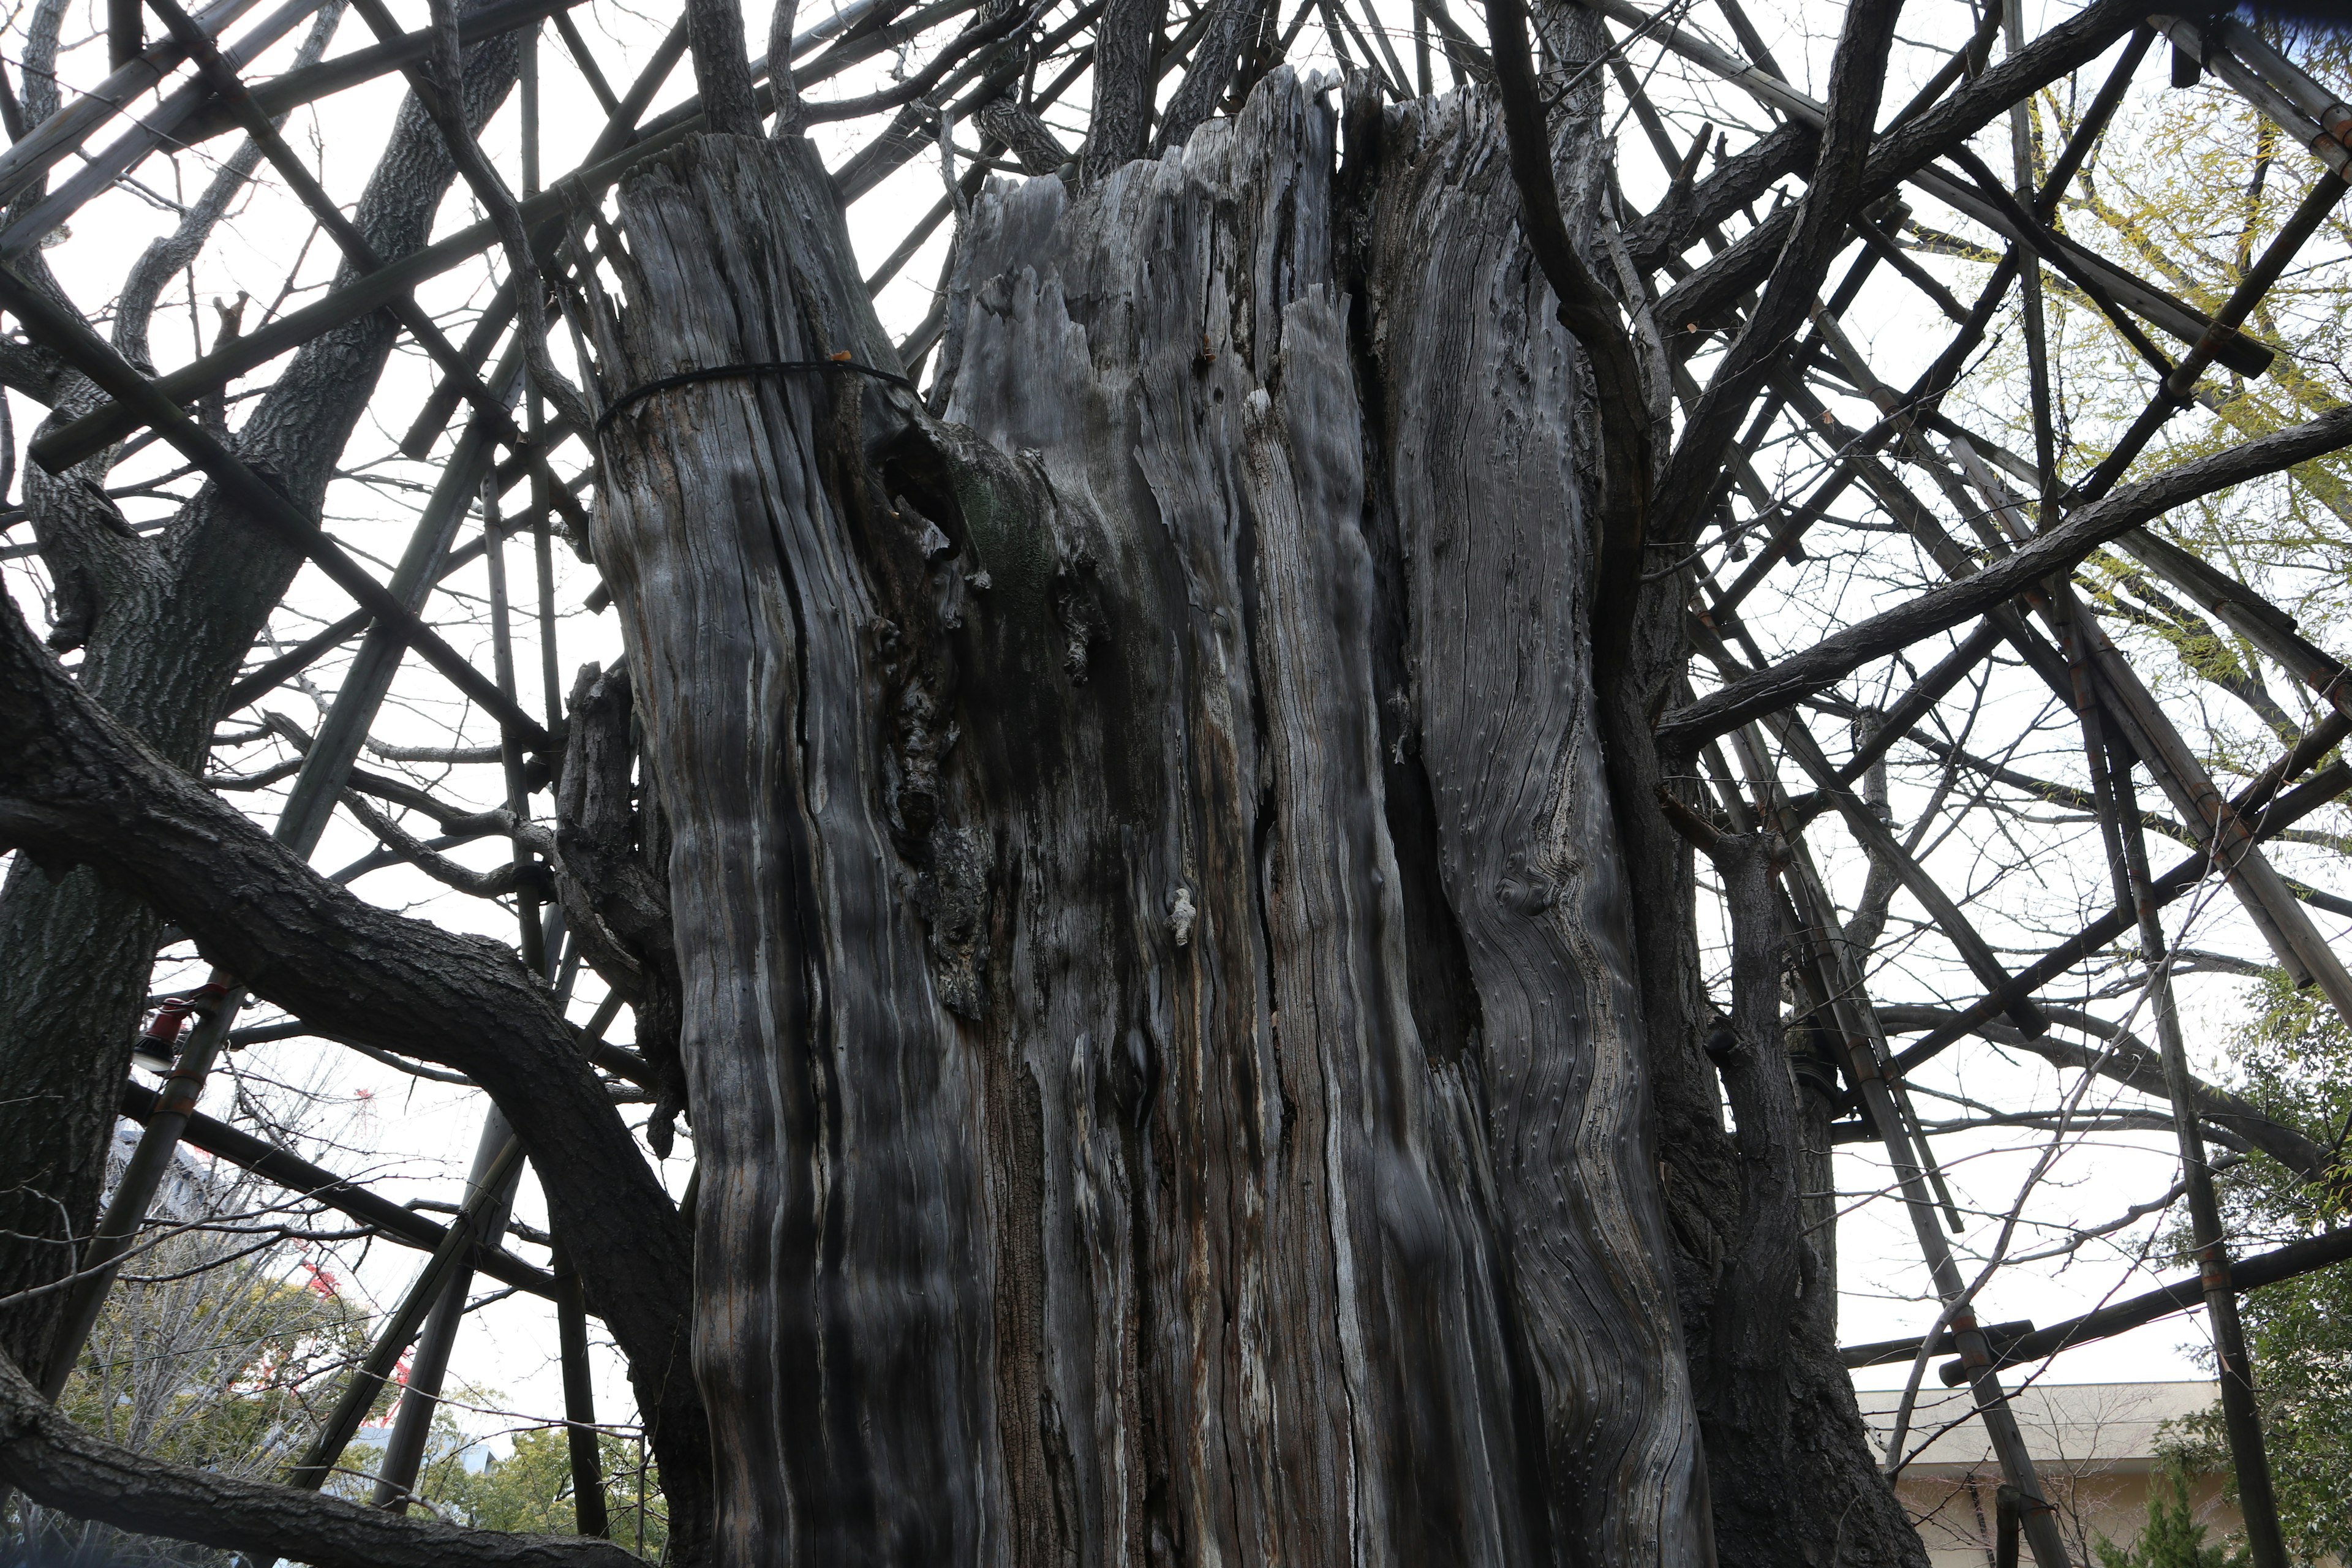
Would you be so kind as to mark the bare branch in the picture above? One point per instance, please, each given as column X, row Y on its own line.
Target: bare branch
column 1684, row 729
column 58, row 1463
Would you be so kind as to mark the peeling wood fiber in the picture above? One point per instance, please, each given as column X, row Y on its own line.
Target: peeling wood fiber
column 1160, row 1019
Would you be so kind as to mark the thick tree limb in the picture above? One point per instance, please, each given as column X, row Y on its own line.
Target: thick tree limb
column 1587, row 311
column 76, row 787
column 1126, row 62
column 1687, row 729
column 1211, row 68
column 58, row 1463
column 722, row 73
column 1030, row 139
column 1745, row 1399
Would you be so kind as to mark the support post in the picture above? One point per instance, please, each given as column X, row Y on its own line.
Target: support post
column 359, row 1392
column 125, row 34
column 489, row 1193
column 2241, row 1418
column 1881, row 1106
column 413, row 1427
column 579, row 1401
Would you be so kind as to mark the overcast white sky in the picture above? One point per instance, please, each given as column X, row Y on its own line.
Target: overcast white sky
column 422, row 1132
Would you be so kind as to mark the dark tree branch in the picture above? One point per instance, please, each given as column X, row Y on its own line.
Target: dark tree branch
column 1230, row 23
column 2269, row 822
column 1589, row 312
column 315, row 1184
column 2130, row 1062
column 58, row 1463
column 1126, row 62
column 721, row 70
column 497, row 882
column 1031, row 140
column 1912, row 145
column 2059, row 551
column 77, row 788
column 1744, row 1403
column 2289, row 1262
column 1817, row 233
column 963, row 46
column 1692, row 208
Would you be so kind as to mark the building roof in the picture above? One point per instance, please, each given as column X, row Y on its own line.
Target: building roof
column 2074, row 1426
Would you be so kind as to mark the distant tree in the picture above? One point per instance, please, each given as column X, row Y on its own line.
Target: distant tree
column 2296, row 1059
column 2172, row 1538
column 209, row 1353
column 529, row 1489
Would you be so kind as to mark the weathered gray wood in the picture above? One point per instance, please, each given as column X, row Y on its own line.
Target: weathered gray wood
column 1201, row 1058
column 1160, row 1017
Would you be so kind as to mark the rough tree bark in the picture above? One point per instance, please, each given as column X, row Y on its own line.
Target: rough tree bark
column 1161, row 1015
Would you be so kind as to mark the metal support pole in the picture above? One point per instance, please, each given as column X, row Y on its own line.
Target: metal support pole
column 359, row 1392
column 2241, row 1418
column 589, row 1516
column 579, row 1400
column 412, row 1426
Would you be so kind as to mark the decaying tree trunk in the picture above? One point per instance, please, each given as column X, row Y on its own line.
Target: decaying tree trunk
column 1162, row 1013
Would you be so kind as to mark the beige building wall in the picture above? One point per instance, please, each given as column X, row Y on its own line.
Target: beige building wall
column 2094, row 1446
